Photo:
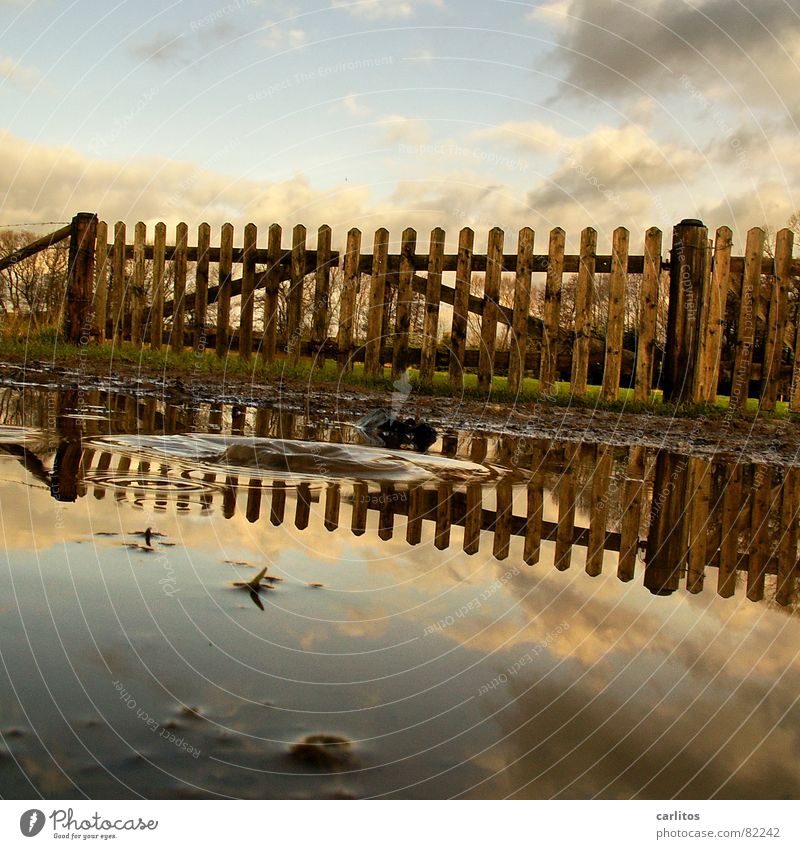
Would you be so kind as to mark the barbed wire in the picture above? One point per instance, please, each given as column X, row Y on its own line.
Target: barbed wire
column 33, row 224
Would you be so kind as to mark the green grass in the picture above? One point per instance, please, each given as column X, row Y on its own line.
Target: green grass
column 45, row 346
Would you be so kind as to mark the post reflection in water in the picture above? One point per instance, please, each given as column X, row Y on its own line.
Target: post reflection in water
column 500, row 616
column 674, row 515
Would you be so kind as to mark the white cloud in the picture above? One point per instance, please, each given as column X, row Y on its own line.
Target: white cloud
column 555, row 11
column 16, row 73
column 351, row 105
column 529, row 136
column 385, row 8
column 399, row 129
column 281, row 38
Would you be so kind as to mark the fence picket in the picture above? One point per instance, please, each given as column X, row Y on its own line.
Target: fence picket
column 776, row 321
column 201, row 288
column 347, row 303
column 433, row 294
column 101, row 269
column 616, row 315
column 746, row 325
column 584, row 297
column 408, row 249
column 522, row 309
column 322, row 294
column 648, row 311
column 271, row 291
column 552, row 311
column 458, row 329
column 373, row 365
column 248, row 291
column 224, row 292
column 491, row 300
column 118, row 282
column 137, row 283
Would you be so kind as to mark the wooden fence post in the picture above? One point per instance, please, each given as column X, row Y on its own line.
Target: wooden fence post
column 294, row 305
column 522, row 309
column 548, row 363
column 583, row 311
column 272, row 290
column 118, row 282
column 458, row 330
column 137, row 283
column 248, row 291
column 408, row 249
column 433, row 292
column 717, row 299
column 159, row 265
column 665, row 558
column 224, row 294
column 201, row 287
column 776, row 323
column 491, row 298
column 746, row 325
column 687, row 297
column 179, row 284
column 615, row 329
column 347, row 304
column 648, row 308
column 101, row 280
column 322, row 286
column 377, row 294
column 80, row 281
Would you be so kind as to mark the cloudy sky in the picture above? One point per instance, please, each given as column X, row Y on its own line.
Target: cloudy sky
column 402, row 112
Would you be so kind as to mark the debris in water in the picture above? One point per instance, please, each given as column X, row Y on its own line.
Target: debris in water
column 324, row 750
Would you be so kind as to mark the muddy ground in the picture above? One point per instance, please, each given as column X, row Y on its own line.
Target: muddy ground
column 760, row 439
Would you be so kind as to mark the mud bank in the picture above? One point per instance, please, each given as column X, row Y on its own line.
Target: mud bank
column 730, row 437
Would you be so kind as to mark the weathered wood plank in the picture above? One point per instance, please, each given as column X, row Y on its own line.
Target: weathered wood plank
column 648, row 312
column 408, row 248
column 159, row 269
column 269, row 334
column 776, row 321
column 36, row 247
column 632, row 498
column 697, row 508
column 522, row 309
column 444, row 497
column 179, row 284
column 535, row 506
column 433, row 294
column 491, row 299
column 746, row 328
column 616, row 315
column 473, row 517
column 101, row 280
column 567, row 496
column 201, row 287
column 137, row 283
column 720, row 283
column 224, row 289
column 118, row 283
column 247, row 305
column 347, row 303
column 501, row 542
column 583, row 311
column 377, row 296
column 294, row 303
column 322, row 292
column 461, row 299
column 787, row 550
column 552, row 311
column 758, row 538
column 598, row 519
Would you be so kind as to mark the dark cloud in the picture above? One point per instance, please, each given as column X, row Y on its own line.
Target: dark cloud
column 611, row 48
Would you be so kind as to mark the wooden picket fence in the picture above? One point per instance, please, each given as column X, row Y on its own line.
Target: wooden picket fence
column 106, row 300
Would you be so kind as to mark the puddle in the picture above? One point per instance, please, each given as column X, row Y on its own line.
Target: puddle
column 501, row 616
